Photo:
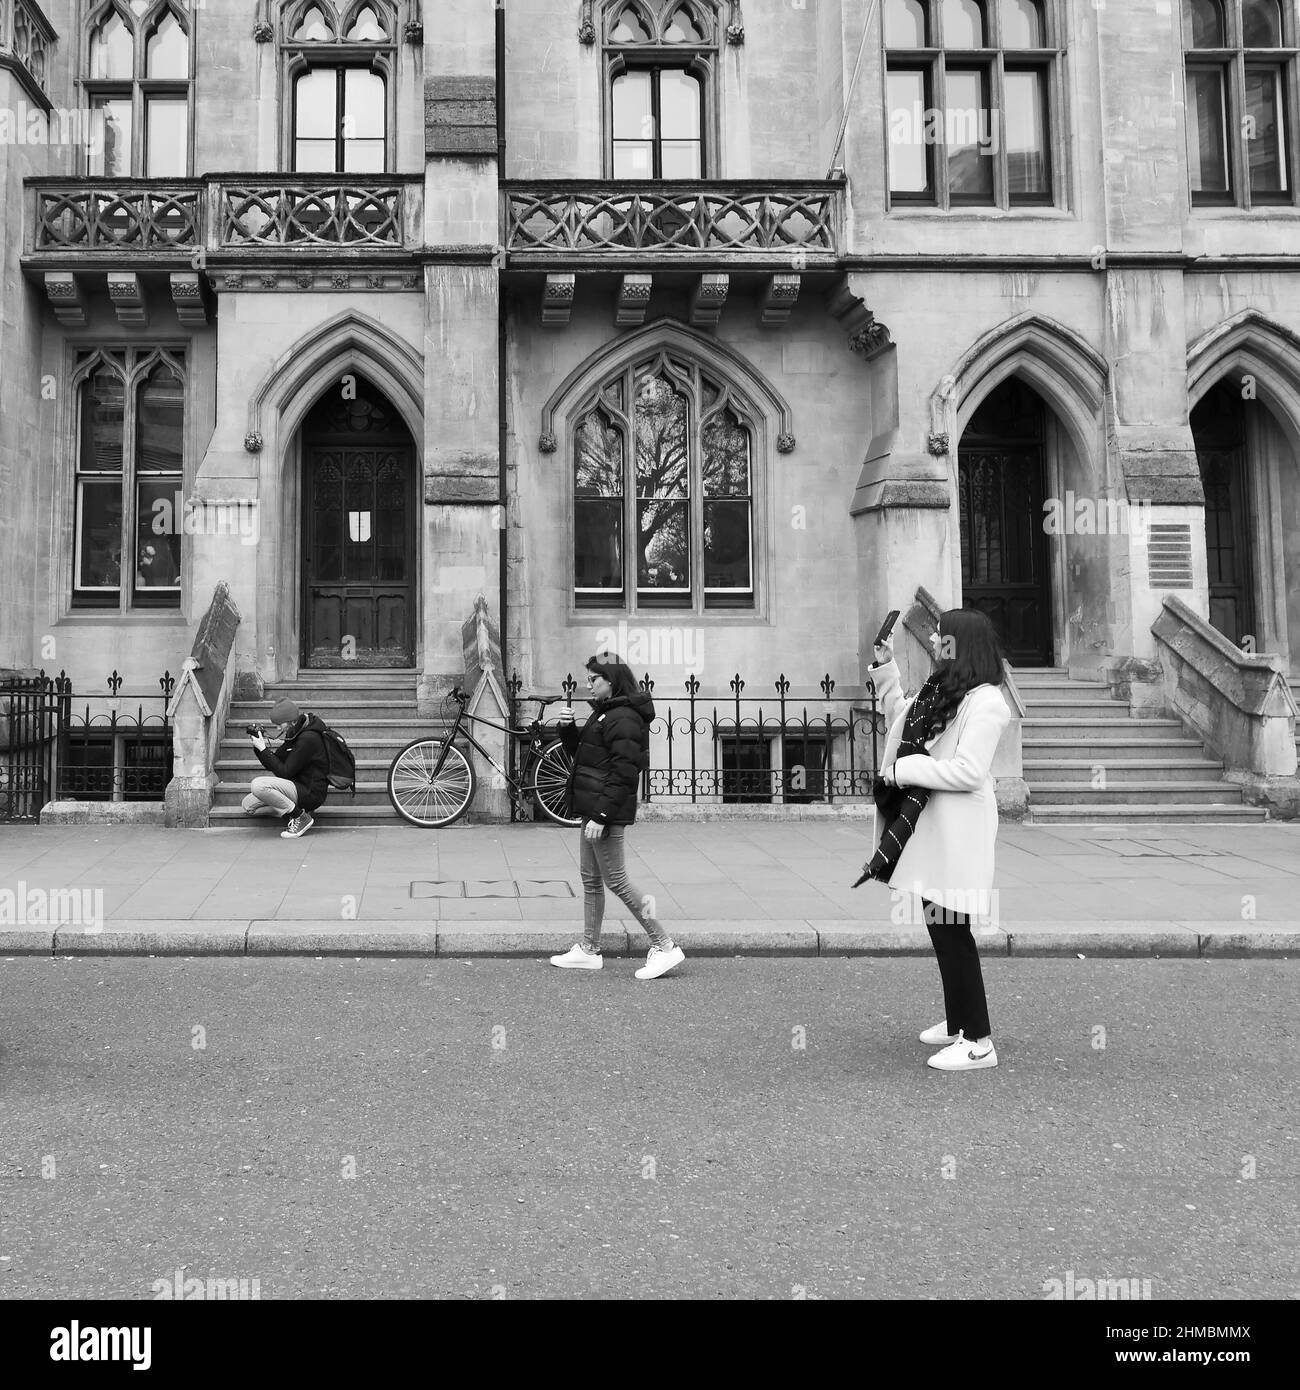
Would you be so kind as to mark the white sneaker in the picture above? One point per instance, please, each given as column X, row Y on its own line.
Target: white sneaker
column 659, row 961
column 965, row 1056
column 577, row 957
column 938, row 1036
column 298, row 826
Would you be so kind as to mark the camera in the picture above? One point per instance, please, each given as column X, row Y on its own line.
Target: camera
column 255, row 731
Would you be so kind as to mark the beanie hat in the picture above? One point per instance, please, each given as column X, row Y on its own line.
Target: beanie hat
column 285, row 712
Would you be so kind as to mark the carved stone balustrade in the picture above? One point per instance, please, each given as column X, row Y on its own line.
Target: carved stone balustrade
column 779, row 226
column 221, row 214
column 26, row 37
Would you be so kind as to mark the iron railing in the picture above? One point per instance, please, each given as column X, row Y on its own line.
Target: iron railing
column 774, row 749
column 57, row 744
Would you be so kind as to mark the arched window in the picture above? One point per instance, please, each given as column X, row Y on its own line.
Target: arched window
column 139, row 68
column 129, row 480
column 1241, row 66
column 970, row 92
column 339, row 58
column 663, row 487
column 660, row 58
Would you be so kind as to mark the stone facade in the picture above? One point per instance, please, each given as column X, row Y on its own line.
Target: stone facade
column 864, row 357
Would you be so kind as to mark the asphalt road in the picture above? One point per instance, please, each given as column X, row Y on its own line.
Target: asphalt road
column 747, row 1128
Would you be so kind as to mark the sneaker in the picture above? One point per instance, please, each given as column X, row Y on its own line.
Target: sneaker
column 659, row 961
column 577, row 957
column 299, row 825
column 965, row 1056
column 939, row 1036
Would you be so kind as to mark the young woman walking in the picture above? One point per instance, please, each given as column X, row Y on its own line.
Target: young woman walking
column 948, row 860
column 610, row 753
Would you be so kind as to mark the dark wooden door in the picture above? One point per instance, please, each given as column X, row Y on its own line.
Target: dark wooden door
column 1219, row 428
column 1004, row 551
column 359, row 555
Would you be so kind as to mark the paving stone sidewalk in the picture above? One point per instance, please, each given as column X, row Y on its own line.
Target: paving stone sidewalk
column 721, row 887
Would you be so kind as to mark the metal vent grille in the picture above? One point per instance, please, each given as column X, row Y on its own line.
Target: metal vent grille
column 1169, row 556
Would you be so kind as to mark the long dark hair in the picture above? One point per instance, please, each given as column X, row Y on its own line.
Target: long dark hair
column 976, row 660
column 616, row 671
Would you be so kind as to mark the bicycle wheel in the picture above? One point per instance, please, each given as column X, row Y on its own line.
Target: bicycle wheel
column 548, row 781
column 418, row 796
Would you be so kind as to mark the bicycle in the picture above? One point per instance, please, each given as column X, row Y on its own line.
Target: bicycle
column 431, row 783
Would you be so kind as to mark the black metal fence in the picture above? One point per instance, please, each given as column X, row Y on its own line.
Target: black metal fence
column 756, row 749
column 62, row 745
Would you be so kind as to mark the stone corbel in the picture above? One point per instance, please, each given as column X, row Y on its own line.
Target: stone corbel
column 187, row 295
column 735, row 24
column 867, row 336
column 586, row 26
column 633, row 300
column 557, row 299
column 127, row 296
column 779, row 299
column 707, row 300
column 64, row 294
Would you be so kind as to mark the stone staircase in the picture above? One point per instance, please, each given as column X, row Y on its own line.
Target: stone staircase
column 1155, row 770
column 374, row 710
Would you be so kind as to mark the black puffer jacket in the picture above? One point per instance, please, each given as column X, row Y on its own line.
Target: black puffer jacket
column 610, row 752
column 303, row 760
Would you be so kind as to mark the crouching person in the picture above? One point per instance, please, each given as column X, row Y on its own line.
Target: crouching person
column 299, row 769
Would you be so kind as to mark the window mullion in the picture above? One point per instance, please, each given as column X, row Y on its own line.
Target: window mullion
column 656, row 114
column 997, row 129
column 939, row 82
column 1237, row 115
column 126, row 598
column 340, row 118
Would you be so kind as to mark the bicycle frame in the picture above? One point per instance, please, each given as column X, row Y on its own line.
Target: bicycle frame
column 533, row 735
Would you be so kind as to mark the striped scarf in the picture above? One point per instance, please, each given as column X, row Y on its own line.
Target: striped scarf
column 899, row 808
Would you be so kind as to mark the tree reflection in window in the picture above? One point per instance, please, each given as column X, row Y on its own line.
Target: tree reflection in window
column 684, row 497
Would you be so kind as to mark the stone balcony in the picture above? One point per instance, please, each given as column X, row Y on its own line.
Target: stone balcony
column 304, row 230
column 773, row 225
column 775, row 235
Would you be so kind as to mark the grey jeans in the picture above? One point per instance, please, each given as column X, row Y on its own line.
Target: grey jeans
column 271, row 796
column 602, row 866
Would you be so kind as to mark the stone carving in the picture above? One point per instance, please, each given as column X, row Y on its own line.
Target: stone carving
column 235, row 280
column 253, row 442
column 547, row 444
column 340, row 279
column 305, row 282
column 735, row 33
column 263, row 32
column 375, row 282
column 414, row 33
column 938, row 445
column 785, row 443
column 870, row 338
column 268, row 282
column 586, row 28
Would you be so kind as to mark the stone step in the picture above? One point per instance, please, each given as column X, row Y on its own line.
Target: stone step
column 1102, row 708
column 330, row 708
column 369, row 793
column 1137, row 793
column 376, row 745
column 1115, row 749
column 335, row 815
column 1175, row 770
column 1156, row 730
column 1144, row 814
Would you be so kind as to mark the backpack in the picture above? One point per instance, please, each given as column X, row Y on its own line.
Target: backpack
column 341, row 759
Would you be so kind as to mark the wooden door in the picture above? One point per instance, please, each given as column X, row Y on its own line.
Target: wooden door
column 1005, row 557
column 1219, row 428
column 359, row 555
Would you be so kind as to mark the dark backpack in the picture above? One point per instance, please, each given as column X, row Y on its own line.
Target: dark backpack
column 341, row 759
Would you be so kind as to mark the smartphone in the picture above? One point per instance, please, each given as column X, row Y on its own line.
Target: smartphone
column 887, row 627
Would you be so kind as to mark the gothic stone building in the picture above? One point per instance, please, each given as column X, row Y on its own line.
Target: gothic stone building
column 706, row 329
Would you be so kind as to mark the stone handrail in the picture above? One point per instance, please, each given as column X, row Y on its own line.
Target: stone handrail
column 1238, row 703
column 227, row 213
column 795, row 224
column 198, row 710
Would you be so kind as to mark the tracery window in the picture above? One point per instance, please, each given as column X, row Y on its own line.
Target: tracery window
column 663, row 515
column 339, row 61
column 660, row 60
column 129, row 515
column 1241, row 77
column 139, row 70
column 971, row 101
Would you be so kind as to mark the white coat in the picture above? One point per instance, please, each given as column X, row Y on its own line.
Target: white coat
column 949, row 859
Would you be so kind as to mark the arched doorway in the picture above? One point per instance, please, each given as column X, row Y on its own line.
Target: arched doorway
column 359, row 534
column 1002, row 485
column 1220, row 430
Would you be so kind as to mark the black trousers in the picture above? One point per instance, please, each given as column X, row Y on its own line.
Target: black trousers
column 965, row 1007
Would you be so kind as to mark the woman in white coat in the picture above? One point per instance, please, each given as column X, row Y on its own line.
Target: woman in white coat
column 948, row 861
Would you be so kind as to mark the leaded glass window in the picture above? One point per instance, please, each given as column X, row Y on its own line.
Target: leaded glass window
column 664, row 491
